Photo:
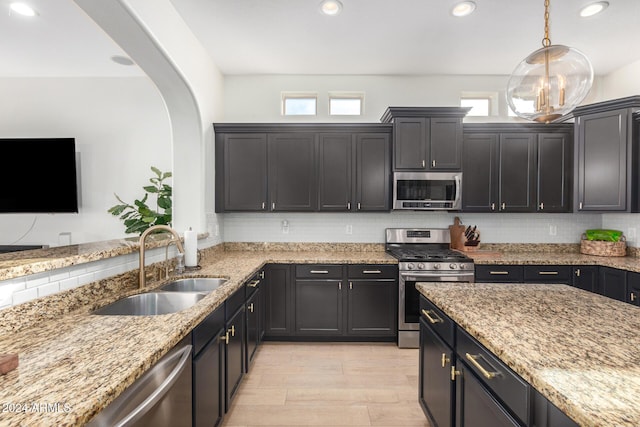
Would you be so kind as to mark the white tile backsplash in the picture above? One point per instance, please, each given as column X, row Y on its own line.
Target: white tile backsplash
column 624, row 222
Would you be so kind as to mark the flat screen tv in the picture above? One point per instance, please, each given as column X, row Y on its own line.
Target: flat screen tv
column 38, row 175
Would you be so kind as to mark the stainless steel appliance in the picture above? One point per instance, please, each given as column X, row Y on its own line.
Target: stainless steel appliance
column 424, row 256
column 427, row 190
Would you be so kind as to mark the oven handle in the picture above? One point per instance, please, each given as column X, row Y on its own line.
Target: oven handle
column 439, row 276
column 456, row 201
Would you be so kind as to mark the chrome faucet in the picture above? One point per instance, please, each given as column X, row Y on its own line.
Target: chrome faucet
column 143, row 237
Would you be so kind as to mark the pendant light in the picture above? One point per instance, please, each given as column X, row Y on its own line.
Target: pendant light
column 550, row 82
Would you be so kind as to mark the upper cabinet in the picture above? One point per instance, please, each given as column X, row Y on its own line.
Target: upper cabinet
column 606, row 156
column 516, row 168
column 426, row 138
column 302, row 167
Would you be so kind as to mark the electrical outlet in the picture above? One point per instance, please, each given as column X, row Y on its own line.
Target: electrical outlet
column 553, row 230
column 349, row 229
column 285, row 226
column 631, row 234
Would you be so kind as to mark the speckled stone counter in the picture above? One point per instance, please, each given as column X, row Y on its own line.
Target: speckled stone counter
column 75, row 365
column 580, row 350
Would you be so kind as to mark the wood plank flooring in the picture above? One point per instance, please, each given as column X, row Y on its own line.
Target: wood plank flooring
column 329, row 384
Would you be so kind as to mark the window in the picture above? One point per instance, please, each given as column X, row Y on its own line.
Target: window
column 479, row 106
column 345, row 104
column 299, row 104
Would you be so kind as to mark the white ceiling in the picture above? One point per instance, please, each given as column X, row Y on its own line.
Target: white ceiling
column 369, row 37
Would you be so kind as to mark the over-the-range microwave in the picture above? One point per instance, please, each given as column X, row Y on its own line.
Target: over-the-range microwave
column 427, row 190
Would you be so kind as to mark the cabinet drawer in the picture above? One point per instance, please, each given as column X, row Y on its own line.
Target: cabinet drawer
column 317, row 271
column 206, row 330
column 253, row 284
column 234, row 302
column 502, row 381
column 499, row 273
column 437, row 320
column 368, row 271
column 547, row 273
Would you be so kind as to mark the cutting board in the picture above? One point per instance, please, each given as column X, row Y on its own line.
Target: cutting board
column 456, row 232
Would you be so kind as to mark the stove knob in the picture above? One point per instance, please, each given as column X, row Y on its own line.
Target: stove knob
column 462, row 267
column 452, row 266
column 436, row 267
column 421, row 266
column 410, row 266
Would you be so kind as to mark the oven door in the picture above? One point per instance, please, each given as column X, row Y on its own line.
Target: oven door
column 409, row 296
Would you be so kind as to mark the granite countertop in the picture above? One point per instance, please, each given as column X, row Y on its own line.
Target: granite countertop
column 578, row 349
column 74, row 366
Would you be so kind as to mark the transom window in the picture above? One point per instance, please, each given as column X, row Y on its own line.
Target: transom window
column 345, row 104
column 479, row 106
column 299, row 104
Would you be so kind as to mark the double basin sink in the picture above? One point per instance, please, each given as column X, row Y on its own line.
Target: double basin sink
column 171, row 297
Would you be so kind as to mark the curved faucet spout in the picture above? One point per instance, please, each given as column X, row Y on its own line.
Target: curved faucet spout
column 143, row 237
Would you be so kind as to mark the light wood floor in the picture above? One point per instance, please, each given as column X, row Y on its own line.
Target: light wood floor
column 329, row 384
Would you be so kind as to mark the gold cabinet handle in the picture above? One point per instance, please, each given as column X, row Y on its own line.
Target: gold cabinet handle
column 473, row 358
column 424, row 163
column 632, row 296
column 319, row 271
column 454, row 373
column 577, row 272
column 350, row 285
column 445, row 359
column 493, row 206
column 371, row 271
column 433, row 163
column 233, row 330
column 503, row 206
column 225, row 338
column 359, row 205
column 253, row 283
column 348, row 206
column 580, row 205
column 428, row 313
column 263, row 205
column 541, row 206
column 499, row 273
column 251, row 308
column 273, row 206
column 548, row 273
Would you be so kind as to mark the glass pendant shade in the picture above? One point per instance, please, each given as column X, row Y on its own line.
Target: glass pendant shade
column 549, row 83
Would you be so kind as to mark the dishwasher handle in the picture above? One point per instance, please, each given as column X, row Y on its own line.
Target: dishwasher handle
column 184, row 355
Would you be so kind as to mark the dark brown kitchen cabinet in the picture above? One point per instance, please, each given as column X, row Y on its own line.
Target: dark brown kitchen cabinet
column 354, row 172
column 372, row 300
column 585, row 277
column 606, row 156
column 426, row 138
column 612, row 283
column 254, row 309
column 516, row 168
column 235, row 340
column 319, row 300
column 633, row 288
column 547, row 274
column 242, row 161
column 279, row 302
column 499, row 273
column 292, row 179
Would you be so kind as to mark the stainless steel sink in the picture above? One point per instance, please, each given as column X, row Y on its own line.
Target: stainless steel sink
column 151, row 304
column 199, row 284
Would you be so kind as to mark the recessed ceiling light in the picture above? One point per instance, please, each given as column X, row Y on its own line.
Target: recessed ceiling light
column 463, row 8
column 122, row 60
column 331, row 7
column 22, row 9
column 593, row 8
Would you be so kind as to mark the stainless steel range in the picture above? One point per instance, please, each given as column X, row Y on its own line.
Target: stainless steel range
column 424, row 256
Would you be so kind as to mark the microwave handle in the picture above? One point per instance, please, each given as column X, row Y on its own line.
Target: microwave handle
column 458, row 180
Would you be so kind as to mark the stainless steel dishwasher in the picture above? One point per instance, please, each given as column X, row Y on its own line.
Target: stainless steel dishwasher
column 160, row 397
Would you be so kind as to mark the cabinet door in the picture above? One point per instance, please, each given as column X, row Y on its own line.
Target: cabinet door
column 253, row 309
column 517, row 167
column 335, row 174
column 445, row 144
column 585, row 277
column 436, row 390
column 410, row 141
column 601, row 161
column 234, row 354
column 633, row 288
column 554, row 163
column 318, row 307
column 245, row 172
column 480, row 173
column 372, row 307
column 373, row 172
column 208, row 406
column 278, row 301
column 475, row 406
column 292, row 172
column 612, row 283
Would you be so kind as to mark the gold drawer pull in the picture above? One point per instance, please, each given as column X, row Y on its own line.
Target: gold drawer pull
column 473, row 358
column 253, row 283
column 319, row 271
column 428, row 314
column 548, row 273
column 445, row 360
column 499, row 272
column 371, row 271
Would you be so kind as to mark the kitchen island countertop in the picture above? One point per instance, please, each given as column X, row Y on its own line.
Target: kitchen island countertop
column 578, row 349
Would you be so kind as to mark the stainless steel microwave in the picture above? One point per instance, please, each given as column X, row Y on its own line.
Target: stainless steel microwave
column 427, row 191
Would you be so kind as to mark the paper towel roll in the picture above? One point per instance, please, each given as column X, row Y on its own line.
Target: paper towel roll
column 190, row 248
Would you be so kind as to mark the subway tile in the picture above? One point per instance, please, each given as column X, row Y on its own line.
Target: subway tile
column 24, row 296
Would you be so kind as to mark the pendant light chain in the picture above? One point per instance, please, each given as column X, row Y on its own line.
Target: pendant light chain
column 546, row 41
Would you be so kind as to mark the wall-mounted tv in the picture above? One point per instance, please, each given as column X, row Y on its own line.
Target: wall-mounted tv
column 38, row 175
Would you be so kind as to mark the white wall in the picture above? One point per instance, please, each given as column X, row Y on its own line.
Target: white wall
column 622, row 82
column 121, row 128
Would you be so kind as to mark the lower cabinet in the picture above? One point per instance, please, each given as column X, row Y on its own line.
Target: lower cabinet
column 318, row 307
column 461, row 383
column 278, row 301
column 235, row 344
column 254, row 309
column 612, row 283
column 585, row 277
column 633, row 288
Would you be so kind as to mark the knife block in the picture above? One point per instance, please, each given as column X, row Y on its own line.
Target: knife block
column 456, row 233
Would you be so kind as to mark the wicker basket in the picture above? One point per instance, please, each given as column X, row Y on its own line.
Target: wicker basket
column 601, row 248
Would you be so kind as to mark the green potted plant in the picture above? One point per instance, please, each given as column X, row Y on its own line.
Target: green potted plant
column 139, row 216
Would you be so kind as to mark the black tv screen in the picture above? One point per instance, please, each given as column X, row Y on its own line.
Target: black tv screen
column 38, row 175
